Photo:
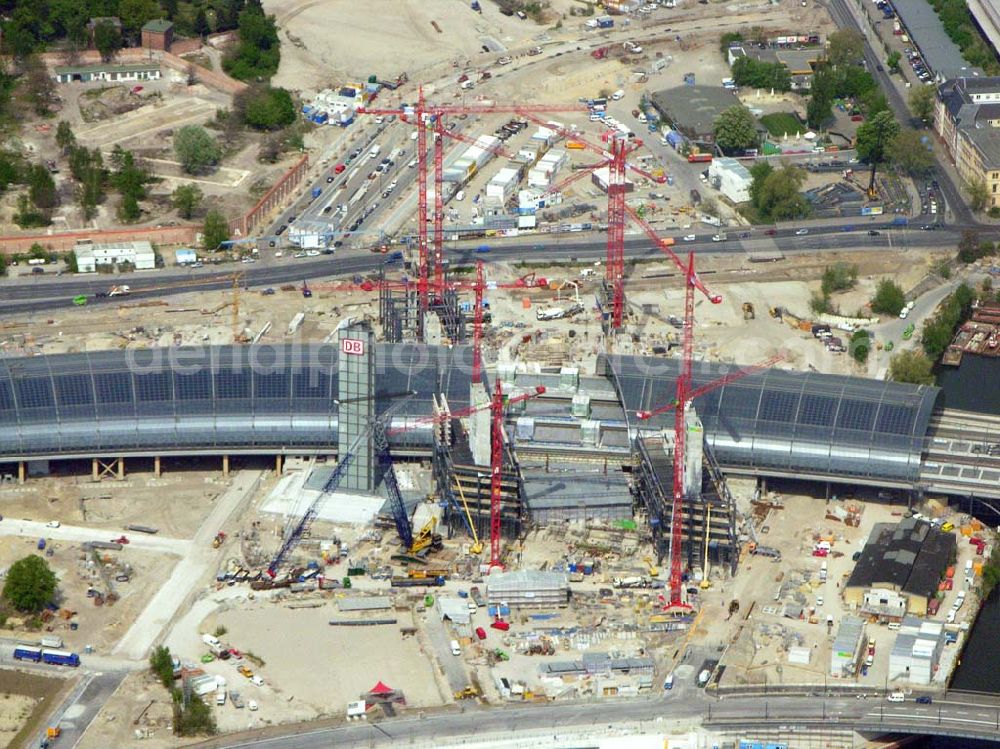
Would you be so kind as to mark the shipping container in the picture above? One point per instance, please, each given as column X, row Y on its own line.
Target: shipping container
column 700, row 158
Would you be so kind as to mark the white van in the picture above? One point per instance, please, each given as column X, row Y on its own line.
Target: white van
column 893, row 626
column 896, row 697
column 468, row 84
column 668, row 683
column 460, row 195
column 455, row 649
column 374, row 151
column 211, row 641
column 618, row 95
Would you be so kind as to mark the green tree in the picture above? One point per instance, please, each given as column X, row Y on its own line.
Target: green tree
column 161, row 663
column 186, row 199
column 135, row 13
column 107, row 40
column 892, row 62
column 257, row 54
column 938, row 330
column 128, row 209
column 69, row 259
column 759, row 173
column 30, row 584
column 194, row 718
column 978, row 193
column 3, row 265
column 912, row 152
column 911, row 366
column 727, row 39
column 838, row 277
column 845, row 47
column 921, row 101
column 759, row 74
column 266, row 108
column 875, row 136
column 889, row 298
column 215, row 230
column 201, row 27
column 65, row 138
column 39, row 88
column 775, row 194
column 735, row 129
column 42, row 189
column 860, row 345
column 196, row 149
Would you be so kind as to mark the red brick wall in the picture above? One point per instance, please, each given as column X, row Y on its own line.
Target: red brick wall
column 62, row 241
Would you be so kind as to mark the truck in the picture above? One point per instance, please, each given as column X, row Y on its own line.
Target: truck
column 142, row 529
column 553, row 313
column 900, row 221
column 60, row 658
column 700, row 158
column 605, row 22
column 119, row 291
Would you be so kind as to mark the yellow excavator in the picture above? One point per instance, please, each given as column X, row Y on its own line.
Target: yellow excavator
column 426, row 538
column 654, row 571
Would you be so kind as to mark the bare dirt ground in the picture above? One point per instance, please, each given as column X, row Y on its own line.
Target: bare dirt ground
column 140, row 708
column 24, row 700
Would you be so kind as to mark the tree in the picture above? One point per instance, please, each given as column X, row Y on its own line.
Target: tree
column 845, row 47
column 65, row 138
column 201, row 27
column 921, row 101
column 759, row 172
column 912, row 152
column 735, row 129
column 3, row 265
column 134, row 14
column 186, row 199
column 911, row 366
column 838, row 277
column 892, row 62
column 266, row 108
column 42, row 189
column 128, row 209
column 875, row 136
column 196, row 149
column 215, row 231
column 978, row 193
column 860, row 345
column 889, row 298
column 30, row 584
column 38, row 84
column 954, row 310
column 107, row 40
column 759, row 74
column 775, row 194
column 257, row 54
column 162, row 665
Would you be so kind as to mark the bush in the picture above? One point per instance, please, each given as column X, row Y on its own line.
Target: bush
column 860, row 346
column 911, row 366
column 939, row 330
column 194, row 719
column 839, row 277
column 889, row 298
column 266, row 108
column 820, row 303
column 220, row 631
column 196, row 149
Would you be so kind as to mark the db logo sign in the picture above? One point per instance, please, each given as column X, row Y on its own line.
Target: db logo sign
column 352, row 347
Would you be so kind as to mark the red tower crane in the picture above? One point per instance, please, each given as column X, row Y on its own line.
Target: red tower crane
column 683, row 396
column 496, row 406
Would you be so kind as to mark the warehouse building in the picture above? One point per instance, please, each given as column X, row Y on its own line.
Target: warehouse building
column 528, row 588
column 692, row 110
column 909, row 558
column 917, row 651
column 90, row 256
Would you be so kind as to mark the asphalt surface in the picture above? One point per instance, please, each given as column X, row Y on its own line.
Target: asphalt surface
column 939, row 717
column 32, row 294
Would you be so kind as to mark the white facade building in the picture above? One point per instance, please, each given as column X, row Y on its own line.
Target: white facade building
column 89, row 255
column 885, row 603
column 732, row 179
column 917, row 650
column 503, row 184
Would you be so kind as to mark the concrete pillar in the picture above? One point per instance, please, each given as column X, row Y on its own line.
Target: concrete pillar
column 21, row 469
column 156, row 466
column 94, row 475
column 225, row 465
column 277, row 465
column 121, row 469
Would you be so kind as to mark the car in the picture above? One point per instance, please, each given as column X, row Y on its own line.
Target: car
column 855, row 556
column 252, row 705
column 801, row 232
column 244, row 671
column 53, row 524
column 392, row 185
column 929, row 227
column 268, row 291
column 339, row 168
column 924, row 699
column 380, row 168
column 771, row 232
column 281, row 229
column 873, row 233
column 483, row 248
column 718, row 237
column 312, row 253
column 505, row 60
column 38, row 270
column 689, row 237
column 329, row 179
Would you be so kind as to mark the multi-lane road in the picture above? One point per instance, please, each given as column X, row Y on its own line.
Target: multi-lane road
column 36, row 294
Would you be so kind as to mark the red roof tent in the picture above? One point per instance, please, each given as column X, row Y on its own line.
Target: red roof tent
column 381, row 688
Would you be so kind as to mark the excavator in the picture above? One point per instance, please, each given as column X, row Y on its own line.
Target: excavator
column 426, row 540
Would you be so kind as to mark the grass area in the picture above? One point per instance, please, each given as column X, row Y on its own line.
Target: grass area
column 779, row 123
